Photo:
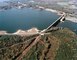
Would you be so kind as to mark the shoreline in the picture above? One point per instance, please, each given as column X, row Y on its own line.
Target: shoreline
column 72, row 19
column 20, row 32
column 55, row 11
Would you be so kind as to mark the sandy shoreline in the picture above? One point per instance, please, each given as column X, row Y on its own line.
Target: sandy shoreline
column 73, row 19
column 3, row 32
column 20, row 32
column 55, row 11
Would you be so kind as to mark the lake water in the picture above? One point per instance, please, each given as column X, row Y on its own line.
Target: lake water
column 14, row 19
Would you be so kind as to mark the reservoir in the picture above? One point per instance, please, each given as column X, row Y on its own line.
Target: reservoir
column 14, row 19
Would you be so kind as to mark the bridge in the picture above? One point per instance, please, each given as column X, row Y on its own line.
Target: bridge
column 54, row 24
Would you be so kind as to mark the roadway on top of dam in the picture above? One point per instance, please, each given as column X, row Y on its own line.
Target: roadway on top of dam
column 54, row 24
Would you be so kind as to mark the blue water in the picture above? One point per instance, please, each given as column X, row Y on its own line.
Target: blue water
column 68, row 24
column 14, row 19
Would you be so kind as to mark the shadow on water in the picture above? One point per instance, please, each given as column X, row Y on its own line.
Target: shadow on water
column 70, row 25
